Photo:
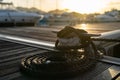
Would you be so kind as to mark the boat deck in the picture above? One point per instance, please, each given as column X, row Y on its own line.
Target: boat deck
column 11, row 53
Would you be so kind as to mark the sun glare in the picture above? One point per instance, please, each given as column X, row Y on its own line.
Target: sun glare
column 83, row 26
column 85, row 6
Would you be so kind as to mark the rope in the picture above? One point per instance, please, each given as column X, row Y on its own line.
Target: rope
column 56, row 64
column 68, row 61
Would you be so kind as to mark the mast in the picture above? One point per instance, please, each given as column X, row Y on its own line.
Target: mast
column 40, row 5
column 56, row 6
column 27, row 3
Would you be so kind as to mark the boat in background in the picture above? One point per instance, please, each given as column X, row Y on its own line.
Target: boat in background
column 9, row 16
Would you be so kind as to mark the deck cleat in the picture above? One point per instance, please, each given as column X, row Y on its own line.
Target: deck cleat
column 74, row 53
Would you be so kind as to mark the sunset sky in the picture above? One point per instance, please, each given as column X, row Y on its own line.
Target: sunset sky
column 81, row 6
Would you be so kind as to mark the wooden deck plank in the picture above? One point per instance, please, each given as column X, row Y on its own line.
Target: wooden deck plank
column 20, row 56
column 109, row 73
column 16, row 53
column 10, row 60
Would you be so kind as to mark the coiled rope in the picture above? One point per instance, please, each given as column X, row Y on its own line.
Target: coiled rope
column 67, row 61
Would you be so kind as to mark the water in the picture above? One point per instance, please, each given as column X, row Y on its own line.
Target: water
column 93, row 27
column 99, row 27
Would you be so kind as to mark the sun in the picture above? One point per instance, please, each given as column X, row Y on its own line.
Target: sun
column 85, row 6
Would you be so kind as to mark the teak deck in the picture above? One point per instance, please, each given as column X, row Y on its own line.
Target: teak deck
column 12, row 53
